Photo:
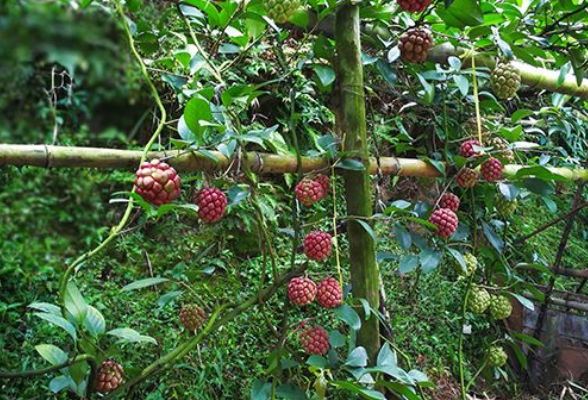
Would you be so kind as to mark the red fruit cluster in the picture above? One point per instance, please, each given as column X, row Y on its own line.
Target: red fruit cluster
column 301, row 291
column 325, row 183
column 309, row 191
column 317, row 245
column 414, row 45
column 449, row 200
column 492, row 169
column 315, row 340
column 446, row 222
column 467, row 178
column 467, row 148
column 329, row 293
column 414, row 6
column 192, row 317
column 109, row 377
column 157, row 182
column 211, row 204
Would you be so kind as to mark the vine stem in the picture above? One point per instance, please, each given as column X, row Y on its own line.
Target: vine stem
column 127, row 214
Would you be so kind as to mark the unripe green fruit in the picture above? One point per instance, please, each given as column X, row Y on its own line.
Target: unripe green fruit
column 497, row 357
column 500, row 307
column 505, row 80
column 479, row 300
column 500, row 145
column 471, row 264
column 281, row 10
column 504, row 208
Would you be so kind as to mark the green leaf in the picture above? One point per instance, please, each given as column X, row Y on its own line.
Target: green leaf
column 538, row 186
column 458, row 257
column 408, row 263
column 94, row 322
column 357, row 358
column 46, row 307
column 128, row 335
column 387, row 357
column 196, row 110
column 336, row 339
column 60, row 383
column 508, row 190
column 462, row 83
column 350, row 164
column 526, row 338
column 524, row 301
column 60, row 322
column 461, row 13
column 290, row 392
column 143, row 283
column 360, row 390
column 397, row 387
column 325, row 74
column 261, row 390
column 75, row 303
column 317, row 361
column 349, row 316
column 402, row 236
column 367, row 228
column 520, row 114
column 53, row 354
column 430, row 259
column 493, row 238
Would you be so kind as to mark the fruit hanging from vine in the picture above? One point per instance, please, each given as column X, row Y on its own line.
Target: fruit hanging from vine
column 505, row 80
column 414, row 45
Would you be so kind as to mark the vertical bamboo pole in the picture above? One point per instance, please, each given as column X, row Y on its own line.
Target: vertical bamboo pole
column 364, row 269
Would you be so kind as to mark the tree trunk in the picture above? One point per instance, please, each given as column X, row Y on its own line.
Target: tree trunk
column 362, row 251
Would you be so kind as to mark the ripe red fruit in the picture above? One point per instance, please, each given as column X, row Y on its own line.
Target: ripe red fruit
column 211, row 204
column 192, row 317
column 109, row 377
column 315, row 340
column 301, row 291
column 414, row 6
column 467, row 178
column 329, row 293
column 317, row 245
column 446, row 222
column 325, row 183
column 492, row 169
column 414, row 45
column 449, row 200
column 467, row 148
column 157, row 182
column 309, row 192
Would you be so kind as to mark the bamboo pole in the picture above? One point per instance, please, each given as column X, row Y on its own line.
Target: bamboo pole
column 261, row 163
column 534, row 77
column 362, row 250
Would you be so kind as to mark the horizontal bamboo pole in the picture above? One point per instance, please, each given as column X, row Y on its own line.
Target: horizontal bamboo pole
column 534, row 77
column 45, row 156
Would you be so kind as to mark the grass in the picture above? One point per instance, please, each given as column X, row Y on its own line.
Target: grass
column 47, row 221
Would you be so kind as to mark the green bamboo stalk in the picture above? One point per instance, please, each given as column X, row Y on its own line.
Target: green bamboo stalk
column 43, row 156
column 362, row 251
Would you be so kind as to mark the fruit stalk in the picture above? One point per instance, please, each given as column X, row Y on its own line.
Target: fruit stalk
column 352, row 124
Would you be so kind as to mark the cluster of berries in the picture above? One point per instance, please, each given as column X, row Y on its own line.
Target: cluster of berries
column 317, row 246
column 158, row 183
column 445, row 217
column 491, row 169
column 328, row 294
